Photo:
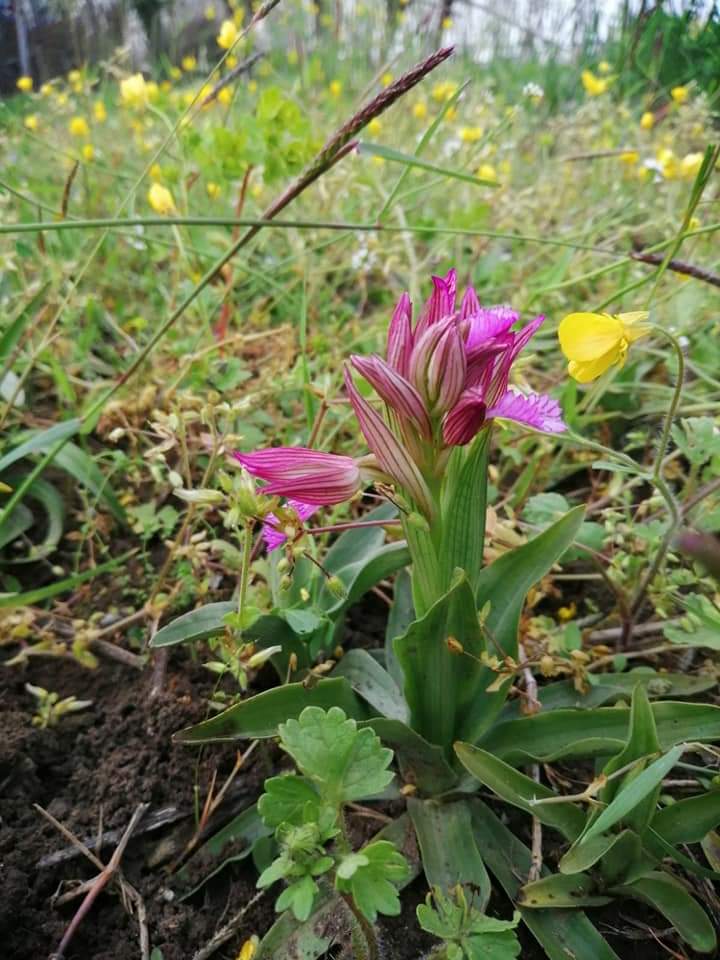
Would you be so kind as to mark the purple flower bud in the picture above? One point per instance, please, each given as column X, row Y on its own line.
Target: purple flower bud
column 392, row 457
column 440, row 304
column 486, row 324
column 535, row 410
column 465, row 419
column 399, row 394
column 272, row 530
column 400, row 338
column 438, row 366
column 307, row 475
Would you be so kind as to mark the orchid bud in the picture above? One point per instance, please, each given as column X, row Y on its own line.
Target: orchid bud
column 262, row 656
column 205, row 497
column 438, row 365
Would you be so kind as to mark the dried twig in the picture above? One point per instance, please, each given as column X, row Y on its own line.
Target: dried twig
column 101, row 881
column 232, row 76
column 228, row 930
column 678, row 266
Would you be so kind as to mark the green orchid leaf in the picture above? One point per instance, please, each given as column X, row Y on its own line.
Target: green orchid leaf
column 421, row 763
column 372, row 879
column 286, row 800
column 373, row 683
column 642, row 742
column 670, row 898
column 595, row 733
column 449, row 853
column 401, row 615
column 689, row 820
column 345, row 763
column 199, row 624
column 521, row 791
column 561, row 933
column 261, row 715
column 15, row 523
column 558, row 891
column 582, row 856
column 464, row 509
column 442, row 686
column 634, row 793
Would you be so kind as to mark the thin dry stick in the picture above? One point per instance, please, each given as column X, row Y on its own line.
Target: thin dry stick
column 232, row 77
column 228, row 930
column 678, row 266
column 533, row 705
column 102, row 879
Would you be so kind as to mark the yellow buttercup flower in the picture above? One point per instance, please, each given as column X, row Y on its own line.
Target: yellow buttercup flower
column 25, row 84
column 46, row 89
column 32, row 122
column 175, row 73
column 594, row 342
column 604, row 67
column 680, row 94
column 248, row 949
column 335, row 88
column 188, row 63
column 99, row 111
column 61, row 99
column 374, row 127
column 213, row 190
column 669, row 166
column 690, row 165
column 486, row 171
column 471, row 134
column 228, row 34
column 88, row 152
column 647, row 120
column 447, row 23
column 225, row 96
column 451, row 114
column 74, row 77
column 386, row 79
column 231, row 61
column 161, row 200
column 420, row 110
column 594, row 86
column 443, row 91
column 630, row 157
column 156, row 172
column 133, row 90
column 78, row 127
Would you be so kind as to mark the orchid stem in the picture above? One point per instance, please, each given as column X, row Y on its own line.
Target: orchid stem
column 245, row 572
column 674, row 404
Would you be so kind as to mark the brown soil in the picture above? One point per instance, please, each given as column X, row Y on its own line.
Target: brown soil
column 91, row 772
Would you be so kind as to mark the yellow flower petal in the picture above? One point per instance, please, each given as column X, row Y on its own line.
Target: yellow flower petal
column 589, row 336
column 634, row 325
column 586, row 370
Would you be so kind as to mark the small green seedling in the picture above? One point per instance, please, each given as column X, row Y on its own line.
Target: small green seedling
column 467, row 933
column 50, row 708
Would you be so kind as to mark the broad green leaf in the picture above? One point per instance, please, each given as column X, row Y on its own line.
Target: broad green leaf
column 504, row 586
column 387, row 153
column 558, row 891
column 506, row 582
column 401, row 833
column 563, row 934
column 345, row 763
column 8, row 600
column 463, row 535
column 373, row 683
column 421, row 763
column 520, row 790
column 286, row 799
column 442, row 687
column 199, row 624
column 634, row 793
column 402, row 614
column 689, row 820
column 449, row 853
column 642, row 742
column 583, row 856
column 379, row 870
column 595, row 733
column 297, row 897
column 670, row 898
column 261, row 715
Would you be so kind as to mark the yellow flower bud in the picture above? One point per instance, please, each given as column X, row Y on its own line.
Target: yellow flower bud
column 161, row 200
column 25, row 84
column 78, row 127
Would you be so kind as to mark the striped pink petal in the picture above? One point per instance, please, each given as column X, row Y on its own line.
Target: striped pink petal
column 273, row 534
column 441, row 302
column 400, row 338
column 488, row 323
column 535, row 410
column 307, row 475
column 397, row 392
column 391, row 456
column 465, row 419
